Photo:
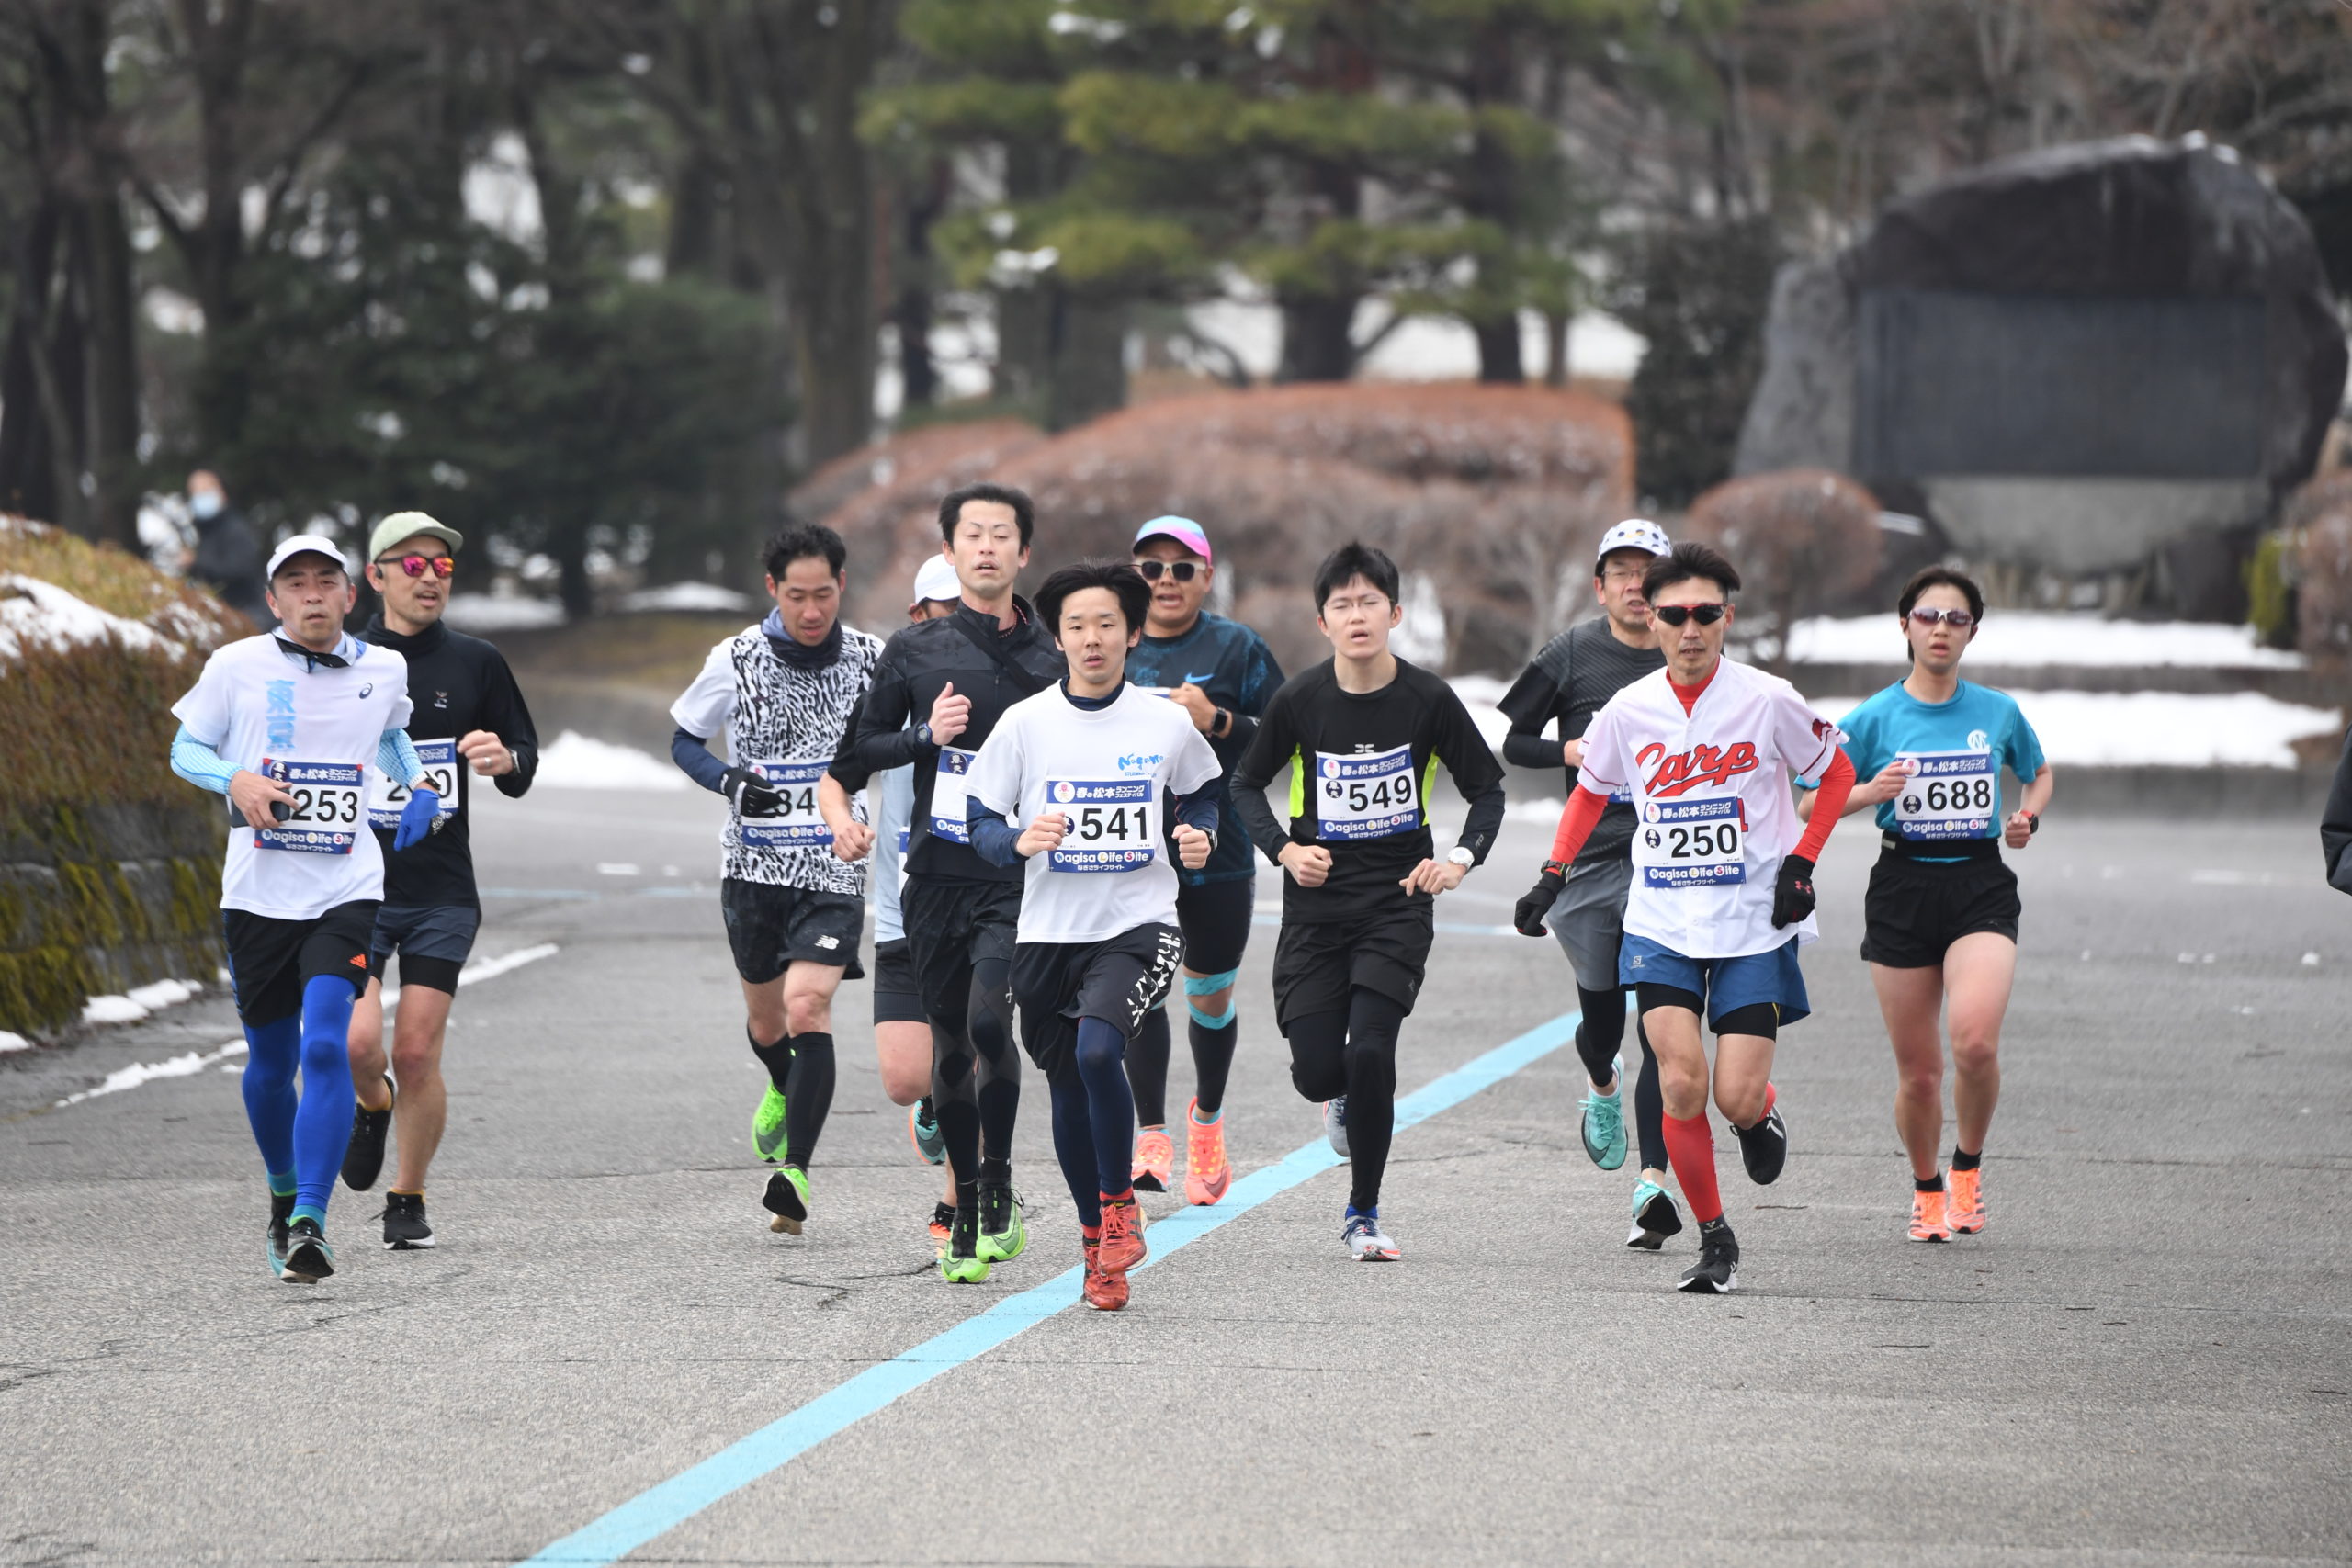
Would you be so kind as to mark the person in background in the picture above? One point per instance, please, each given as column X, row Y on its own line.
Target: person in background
column 227, row 558
column 2335, row 826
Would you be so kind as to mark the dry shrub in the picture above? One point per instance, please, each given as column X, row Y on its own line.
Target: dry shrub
column 2319, row 523
column 1801, row 539
column 1496, row 493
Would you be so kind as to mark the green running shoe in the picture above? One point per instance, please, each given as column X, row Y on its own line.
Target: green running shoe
column 768, row 1125
column 1604, row 1124
column 1003, row 1235
column 961, row 1263
column 787, row 1199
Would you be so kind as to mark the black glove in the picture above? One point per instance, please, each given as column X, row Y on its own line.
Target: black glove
column 749, row 794
column 1792, row 894
column 1527, row 916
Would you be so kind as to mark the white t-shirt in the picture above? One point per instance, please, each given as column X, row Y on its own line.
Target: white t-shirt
column 317, row 731
column 1109, row 770
column 896, row 811
column 1713, row 812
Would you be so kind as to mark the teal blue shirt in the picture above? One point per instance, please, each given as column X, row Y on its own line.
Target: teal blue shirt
column 1957, row 749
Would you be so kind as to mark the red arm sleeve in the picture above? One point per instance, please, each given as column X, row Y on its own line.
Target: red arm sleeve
column 1829, row 805
column 1583, row 813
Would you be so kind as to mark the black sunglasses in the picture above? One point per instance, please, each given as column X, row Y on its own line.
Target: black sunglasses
column 1182, row 571
column 1958, row 620
column 1675, row 614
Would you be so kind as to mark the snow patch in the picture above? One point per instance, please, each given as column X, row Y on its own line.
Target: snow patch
column 580, row 761
column 139, row 1002
column 1479, row 693
column 686, row 596
column 34, row 613
column 498, row 613
column 2016, row 638
column 13, row 1042
column 2160, row 730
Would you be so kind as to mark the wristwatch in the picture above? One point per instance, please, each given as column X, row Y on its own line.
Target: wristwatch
column 923, row 732
column 1460, row 855
column 2032, row 823
column 1221, row 724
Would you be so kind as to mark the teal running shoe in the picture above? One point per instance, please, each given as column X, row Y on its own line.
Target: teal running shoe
column 787, row 1199
column 1002, row 1235
column 281, row 1211
column 1656, row 1216
column 923, row 1129
column 768, row 1125
column 1604, row 1124
column 309, row 1259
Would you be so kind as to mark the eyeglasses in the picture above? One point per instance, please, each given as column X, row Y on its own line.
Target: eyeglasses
column 417, row 566
column 1181, row 571
column 1675, row 614
column 1958, row 620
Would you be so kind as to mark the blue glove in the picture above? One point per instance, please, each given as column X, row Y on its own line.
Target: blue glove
column 419, row 817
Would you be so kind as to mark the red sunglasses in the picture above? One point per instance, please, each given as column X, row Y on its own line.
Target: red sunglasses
column 417, row 566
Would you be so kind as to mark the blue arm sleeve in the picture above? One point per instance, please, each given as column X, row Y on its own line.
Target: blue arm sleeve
column 396, row 755
column 199, row 763
column 694, row 759
column 992, row 836
column 1197, row 809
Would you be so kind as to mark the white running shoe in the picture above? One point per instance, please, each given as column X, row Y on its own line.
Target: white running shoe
column 1335, row 1124
column 1366, row 1242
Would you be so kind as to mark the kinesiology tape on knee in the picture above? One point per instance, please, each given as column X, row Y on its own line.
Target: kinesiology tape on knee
column 1209, row 986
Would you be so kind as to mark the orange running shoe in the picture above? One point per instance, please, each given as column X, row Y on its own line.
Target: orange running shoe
column 1206, row 1174
column 1927, row 1222
column 1123, row 1243
column 1155, row 1162
column 1103, row 1293
column 943, row 1222
column 1967, row 1206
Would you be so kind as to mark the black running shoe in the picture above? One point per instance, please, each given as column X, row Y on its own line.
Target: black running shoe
column 1764, row 1148
column 404, row 1226
column 787, row 1199
column 1656, row 1217
column 282, row 1209
column 309, row 1259
column 1717, row 1271
column 363, row 1157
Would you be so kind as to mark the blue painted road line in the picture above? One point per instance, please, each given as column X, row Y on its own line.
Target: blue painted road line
column 663, row 1507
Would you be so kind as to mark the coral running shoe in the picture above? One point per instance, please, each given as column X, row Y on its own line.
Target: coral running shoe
column 943, row 1223
column 1928, row 1218
column 1155, row 1161
column 1123, row 1244
column 1206, row 1174
column 1103, row 1293
column 1964, row 1206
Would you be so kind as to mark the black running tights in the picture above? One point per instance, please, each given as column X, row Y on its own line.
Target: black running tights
column 1354, row 1053
column 976, row 1077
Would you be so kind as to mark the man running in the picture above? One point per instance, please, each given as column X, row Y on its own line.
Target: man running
column 288, row 726
column 1362, row 734
column 1574, row 674
column 1090, row 767
column 1940, row 920
column 467, row 717
column 1221, row 673
column 784, row 690
column 939, row 689
column 1708, row 745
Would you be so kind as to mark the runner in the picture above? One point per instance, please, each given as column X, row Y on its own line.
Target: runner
column 288, row 726
column 938, row 692
column 467, row 717
column 1362, row 734
column 1221, row 673
column 1940, row 921
column 1574, row 674
column 1717, row 881
column 1090, row 767
column 784, row 690
column 902, row 1035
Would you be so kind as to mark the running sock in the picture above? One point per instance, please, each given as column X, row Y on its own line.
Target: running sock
column 1102, row 1053
column 1074, row 1145
column 315, row 1212
column 1690, row 1146
column 1213, row 1051
column 1601, row 1032
column 1649, row 1106
column 1373, row 1023
column 1771, row 1098
column 1963, row 1160
column 272, row 1051
column 1927, row 1183
column 776, row 1058
column 281, row 1184
column 1147, row 1055
column 809, row 1097
column 1211, row 1119
column 322, row 1118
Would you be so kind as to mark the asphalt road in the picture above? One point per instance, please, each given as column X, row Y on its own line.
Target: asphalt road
column 2144, row 1360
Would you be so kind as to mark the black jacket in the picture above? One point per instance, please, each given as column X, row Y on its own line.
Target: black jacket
column 915, row 666
column 456, row 684
column 2335, row 824
column 229, row 561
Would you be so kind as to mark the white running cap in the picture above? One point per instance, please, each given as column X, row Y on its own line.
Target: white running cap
column 1633, row 534
column 937, row 580
column 306, row 543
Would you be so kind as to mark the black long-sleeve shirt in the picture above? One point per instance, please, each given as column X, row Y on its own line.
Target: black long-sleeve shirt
column 1568, row 681
column 2336, row 823
column 456, row 684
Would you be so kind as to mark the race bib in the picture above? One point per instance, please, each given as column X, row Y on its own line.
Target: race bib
column 948, row 795
column 329, row 809
column 1114, row 823
column 1952, row 794
column 1691, row 843
column 1366, row 797
column 797, row 824
column 386, row 795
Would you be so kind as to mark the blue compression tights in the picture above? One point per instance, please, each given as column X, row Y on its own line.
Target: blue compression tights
column 1094, row 1124
column 307, row 1136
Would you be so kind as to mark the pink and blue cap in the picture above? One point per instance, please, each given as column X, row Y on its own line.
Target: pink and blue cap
column 1183, row 530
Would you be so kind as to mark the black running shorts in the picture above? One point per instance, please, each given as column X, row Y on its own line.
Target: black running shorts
column 895, row 999
column 271, row 960
column 1119, row 980
column 1916, row 909
column 950, row 927
column 770, row 929
column 1215, row 918
column 1316, row 966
